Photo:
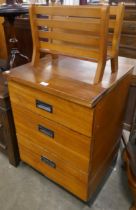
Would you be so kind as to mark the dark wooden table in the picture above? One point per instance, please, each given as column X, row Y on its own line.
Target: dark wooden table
column 10, row 12
column 8, row 142
column 131, row 104
column 23, row 35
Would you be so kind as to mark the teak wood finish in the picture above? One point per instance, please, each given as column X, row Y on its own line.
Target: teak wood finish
column 67, row 127
column 116, row 15
column 115, row 26
column 75, row 31
column 79, row 33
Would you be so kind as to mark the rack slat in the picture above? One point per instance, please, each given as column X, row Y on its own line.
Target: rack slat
column 73, row 38
column 69, row 50
column 69, row 11
column 70, row 24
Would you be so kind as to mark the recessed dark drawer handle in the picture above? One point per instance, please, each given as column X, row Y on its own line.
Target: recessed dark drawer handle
column 44, row 106
column 46, row 131
column 48, row 162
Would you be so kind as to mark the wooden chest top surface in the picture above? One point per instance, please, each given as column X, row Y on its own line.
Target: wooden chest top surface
column 70, row 78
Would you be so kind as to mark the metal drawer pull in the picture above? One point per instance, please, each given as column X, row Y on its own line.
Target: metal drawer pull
column 46, row 131
column 44, row 106
column 48, row 162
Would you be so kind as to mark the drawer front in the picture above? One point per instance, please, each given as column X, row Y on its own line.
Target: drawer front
column 129, row 27
column 53, row 168
column 130, row 15
column 51, row 134
column 128, row 41
column 41, row 138
column 71, row 115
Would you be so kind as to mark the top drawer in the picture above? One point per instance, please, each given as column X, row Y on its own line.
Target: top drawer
column 71, row 115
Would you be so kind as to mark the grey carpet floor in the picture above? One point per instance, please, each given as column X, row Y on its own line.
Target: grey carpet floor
column 23, row 188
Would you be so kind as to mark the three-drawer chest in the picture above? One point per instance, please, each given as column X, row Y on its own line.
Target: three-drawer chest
column 67, row 128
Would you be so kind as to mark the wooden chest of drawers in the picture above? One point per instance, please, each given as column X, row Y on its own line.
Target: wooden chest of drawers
column 67, row 128
column 8, row 142
column 128, row 35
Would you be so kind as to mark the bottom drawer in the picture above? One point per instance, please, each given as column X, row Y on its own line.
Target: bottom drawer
column 48, row 164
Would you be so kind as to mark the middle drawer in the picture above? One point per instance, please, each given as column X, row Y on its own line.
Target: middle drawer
column 71, row 146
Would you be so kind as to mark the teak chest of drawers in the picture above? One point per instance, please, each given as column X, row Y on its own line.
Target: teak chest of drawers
column 67, row 128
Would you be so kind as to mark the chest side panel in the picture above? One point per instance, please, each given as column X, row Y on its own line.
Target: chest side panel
column 108, row 122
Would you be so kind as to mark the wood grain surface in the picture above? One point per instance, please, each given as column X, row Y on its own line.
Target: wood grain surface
column 80, row 140
column 70, row 78
column 63, row 111
column 62, row 174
